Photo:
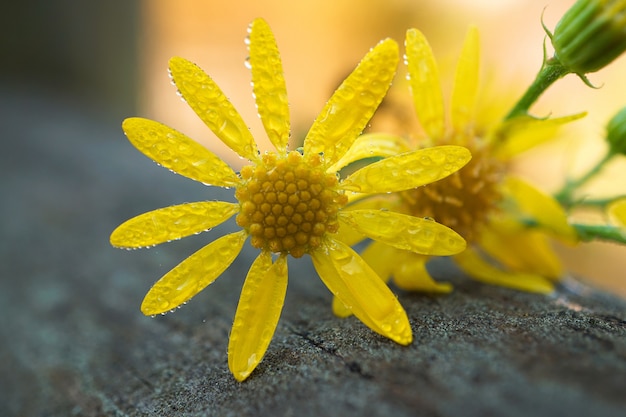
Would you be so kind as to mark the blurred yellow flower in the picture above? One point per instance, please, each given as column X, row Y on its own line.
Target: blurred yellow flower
column 488, row 206
column 289, row 202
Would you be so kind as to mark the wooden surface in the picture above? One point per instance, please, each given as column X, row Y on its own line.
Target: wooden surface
column 75, row 343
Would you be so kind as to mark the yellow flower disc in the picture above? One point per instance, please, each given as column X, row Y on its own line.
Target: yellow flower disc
column 463, row 201
column 288, row 203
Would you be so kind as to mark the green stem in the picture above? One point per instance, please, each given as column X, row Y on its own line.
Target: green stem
column 566, row 195
column 551, row 71
column 589, row 232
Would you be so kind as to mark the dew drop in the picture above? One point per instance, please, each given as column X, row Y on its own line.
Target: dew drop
column 252, row 360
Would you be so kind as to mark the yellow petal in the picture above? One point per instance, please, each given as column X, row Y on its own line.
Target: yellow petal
column 371, row 145
column 407, row 170
column 351, row 107
column 617, row 211
column 410, row 274
column 339, row 309
column 466, row 82
column 260, row 304
column 268, row 84
column 425, row 86
column 525, row 132
column 358, row 287
column 374, row 202
column 348, row 234
column 208, row 101
column 408, row 269
column 382, row 258
column 178, row 152
column 405, row 232
column 170, row 223
column 521, row 249
column 193, row 274
column 484, row 272
column 541, row 208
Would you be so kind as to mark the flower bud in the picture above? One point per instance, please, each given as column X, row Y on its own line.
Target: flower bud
column 590, row 35
column 616, row 132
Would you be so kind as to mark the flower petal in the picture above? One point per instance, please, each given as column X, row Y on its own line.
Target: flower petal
column 470, row 262
column 348, row 234
column 525, row 132
column 466, row 82
column 541, row 208
column 371, row 145
column 350, row 108
column 170, row 223
column 521, row 248
column 268, row 84
column 374, row 202
column 408, row 269
column 382, row 258
column 425, row 85
column 407, row 170
column 260, row 304
column 358, row 287
column 178, row 152
column 410, row 274
column 193, row 274
column 405, row 232
column 211, row 105
column 617, row 211
column 339, row 309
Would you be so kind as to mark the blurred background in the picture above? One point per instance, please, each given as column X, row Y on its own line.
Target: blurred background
column 108, row 60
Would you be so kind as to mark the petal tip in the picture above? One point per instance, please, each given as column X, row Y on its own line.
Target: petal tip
column 403, row 339
column 241, row 376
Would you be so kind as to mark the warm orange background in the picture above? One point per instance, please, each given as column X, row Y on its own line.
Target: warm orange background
column 322, row 40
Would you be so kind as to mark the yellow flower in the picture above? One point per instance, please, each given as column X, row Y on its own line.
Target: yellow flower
column 487, row 205
column 289, row 203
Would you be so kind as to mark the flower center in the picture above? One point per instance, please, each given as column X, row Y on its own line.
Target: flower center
column 288, row 203
column 464, row 200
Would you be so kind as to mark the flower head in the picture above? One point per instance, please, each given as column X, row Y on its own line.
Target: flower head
column 488, row 206
column 590, row 35
column 288, row 202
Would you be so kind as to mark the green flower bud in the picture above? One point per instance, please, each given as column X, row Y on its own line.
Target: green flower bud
column 590, row 35
column 616, row 132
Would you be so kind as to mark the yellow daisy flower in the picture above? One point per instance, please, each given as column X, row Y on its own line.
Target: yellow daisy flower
column 288, row 202
column 483, row 201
